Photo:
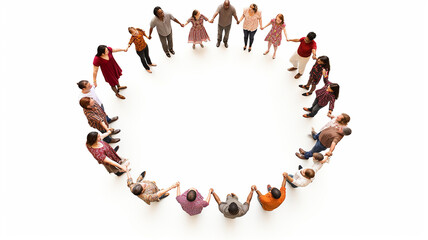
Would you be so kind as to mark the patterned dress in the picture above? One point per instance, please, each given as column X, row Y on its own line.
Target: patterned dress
column 106, row 151
column 197, row 33
column 275, row 34
column 110, row 69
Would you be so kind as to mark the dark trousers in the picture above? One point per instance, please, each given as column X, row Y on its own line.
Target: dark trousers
column 226, row 33
column 108, row 119
column 144, row 56
column 318, row 147
column 291, row 184
column 106, row 139
column 315, row 108
column 249, row 34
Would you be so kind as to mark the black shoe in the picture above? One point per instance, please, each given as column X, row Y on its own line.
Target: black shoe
column 249, row 49
column 218, row 44
column 300, row 167
column 116, row 148
column 172, row 51
column 113, row 119
column 226, row 45
column 164, row 196
column 245, row 48
column 119, row 173
column 143, row 174
column 168, row 55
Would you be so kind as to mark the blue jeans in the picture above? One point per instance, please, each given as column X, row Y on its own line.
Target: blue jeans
column 315, row 108
column 291, row 184
column 249, row 34
column 317, row 148
column 108, row 119
column 106, row 139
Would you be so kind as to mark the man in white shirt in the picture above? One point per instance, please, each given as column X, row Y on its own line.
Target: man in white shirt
column 89, row 91
column 305, row 176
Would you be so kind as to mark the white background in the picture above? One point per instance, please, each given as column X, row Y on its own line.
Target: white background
column 212, row 117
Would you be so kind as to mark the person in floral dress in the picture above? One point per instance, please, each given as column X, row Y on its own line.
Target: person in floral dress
column 274, row 37
column 197, row 33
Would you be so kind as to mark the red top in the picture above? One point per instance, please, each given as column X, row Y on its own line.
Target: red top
column 110, row 69
column 105, row 151
column 305, row 49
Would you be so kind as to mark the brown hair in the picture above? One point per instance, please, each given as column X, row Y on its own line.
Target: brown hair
column 281, row 17
column 129, row 29
column 84, row 102
column 92, row 138
column 194, row 13
column 318, row 156
column 309, row 173
column 255, row 8
column 82, row 84
column 346, row 118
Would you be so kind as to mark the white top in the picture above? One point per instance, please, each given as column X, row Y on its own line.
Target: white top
column 92, row 95
column 332, row 123
column 300, row 181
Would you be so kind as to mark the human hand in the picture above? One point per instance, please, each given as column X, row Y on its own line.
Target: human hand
column 95, row 84
column 211, row 190
column 314, row 57
column 150, row 37
column 125, row 50
column 329, row 154
column 285, row 174
column 211, row 21
column 110, row 130
column 182, row 25
column 254, row 188
column 238, row 22
column 261, row 28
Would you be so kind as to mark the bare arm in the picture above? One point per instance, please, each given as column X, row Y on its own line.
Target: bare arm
column 215, row 15
column 175, row 20
column 290, row 179
column 209, row 196
column 332, row 147
column 160, row 193
column 285, row 175
column 118, row 50
column 217, row 199
column 94, row 75
column 150, row 33
column 178, row 190
column 111, row 162
column 294, row 40
column 266, row 26
column 104, row 135
column 242, row 17
column 285, row 33
column 250, row 196
column 314, row 54
column 105, row 126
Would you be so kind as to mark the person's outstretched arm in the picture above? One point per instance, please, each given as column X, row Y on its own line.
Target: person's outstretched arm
column 242, row 17
column 257, row 191
column 160, row 193
column 314, row 54
column 215, row 15
column 119, row 50
column 285, row 175
column 178, row 189
column 209, row 195
column 217, row 199
column 290, row 179
column 270, row 22
column 175, row 20
column 285, row 34
column 250, row 196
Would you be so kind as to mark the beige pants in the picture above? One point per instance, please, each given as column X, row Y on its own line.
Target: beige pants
column 299, row 62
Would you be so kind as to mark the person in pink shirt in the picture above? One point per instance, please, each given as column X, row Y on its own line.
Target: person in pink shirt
column 252, row 19
column 301, row 57
column 192, row 201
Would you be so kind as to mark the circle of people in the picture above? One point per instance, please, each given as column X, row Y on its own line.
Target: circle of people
column 191, row 200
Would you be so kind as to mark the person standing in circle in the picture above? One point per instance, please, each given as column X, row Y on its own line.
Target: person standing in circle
column 252, row 19
column 141, row 47
column 225, row 12
column 300, row 58
column 109, row 67
column 328, row 94
column 162, row 22
column 274, row 37
column 320, row 68
column 105, row 154
column 197, row 33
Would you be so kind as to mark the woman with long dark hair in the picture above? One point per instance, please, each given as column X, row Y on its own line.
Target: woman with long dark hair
column 105, row 154
column 328, row 94
column 320, row 68
column 109, row 67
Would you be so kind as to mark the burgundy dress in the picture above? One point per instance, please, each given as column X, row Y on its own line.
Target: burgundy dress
column 110, row 69
column 106, row 151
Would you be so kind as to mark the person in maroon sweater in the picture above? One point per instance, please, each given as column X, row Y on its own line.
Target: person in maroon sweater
column 301, row 57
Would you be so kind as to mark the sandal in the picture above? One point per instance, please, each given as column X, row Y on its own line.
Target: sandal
column 304, row 86
column 306, row 94
column 120, row 96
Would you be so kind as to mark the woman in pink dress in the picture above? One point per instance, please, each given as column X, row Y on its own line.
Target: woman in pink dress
column 105, row 154
column 197, row 33
column 274, row 37
column 109, row 67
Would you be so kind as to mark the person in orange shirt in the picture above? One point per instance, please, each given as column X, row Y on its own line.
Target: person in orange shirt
column 274, row 197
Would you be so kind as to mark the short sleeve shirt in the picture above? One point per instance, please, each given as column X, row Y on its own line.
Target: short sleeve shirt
column 92, row 95
column 163, row 27
column 194, row 207
column 269, row 203
column 305, row 49
column 251, row 22
column 225, row 15
column 330, row 135
column 224, row 207
column 150, row 191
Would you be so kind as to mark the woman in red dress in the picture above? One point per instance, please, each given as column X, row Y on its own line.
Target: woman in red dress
column 109, row 67
column 105, row 154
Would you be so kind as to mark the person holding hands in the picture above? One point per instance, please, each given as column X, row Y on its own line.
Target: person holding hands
column 192, row 201
column 197, row 33
column 274, row 197
column 252, row 19
column 233, row 208
column 141, row 47
column 274, row 37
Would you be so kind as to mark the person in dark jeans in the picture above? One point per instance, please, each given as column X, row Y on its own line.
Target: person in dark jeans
column 141, row 47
